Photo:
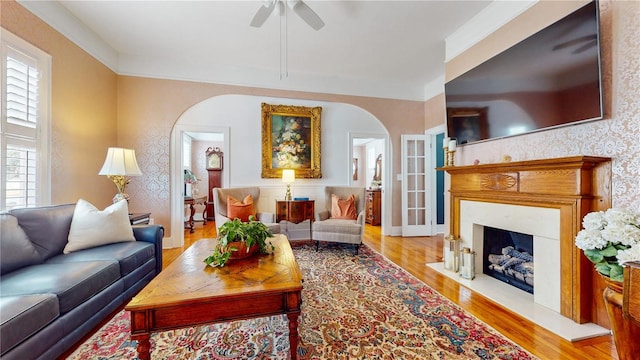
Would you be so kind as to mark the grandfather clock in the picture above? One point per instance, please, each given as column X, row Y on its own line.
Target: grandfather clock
column 214, row 167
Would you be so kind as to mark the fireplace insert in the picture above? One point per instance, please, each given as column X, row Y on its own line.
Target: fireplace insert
column 508, row 257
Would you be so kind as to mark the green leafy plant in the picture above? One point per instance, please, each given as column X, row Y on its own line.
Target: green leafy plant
column 236, row 231
column 609, row 239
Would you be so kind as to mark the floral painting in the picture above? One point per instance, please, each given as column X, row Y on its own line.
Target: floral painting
column 290, row 140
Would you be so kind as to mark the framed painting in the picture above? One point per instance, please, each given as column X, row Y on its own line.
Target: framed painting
column 291, row 140
column 467, row 125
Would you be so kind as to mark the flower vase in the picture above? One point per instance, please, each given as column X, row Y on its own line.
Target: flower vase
column 625, row 332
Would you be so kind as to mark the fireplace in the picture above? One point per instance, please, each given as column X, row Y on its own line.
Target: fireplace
column 546, row 199
column 509, row 257
column 542, row 224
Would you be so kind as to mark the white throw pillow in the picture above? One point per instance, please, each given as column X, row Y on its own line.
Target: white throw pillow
column 91, row 227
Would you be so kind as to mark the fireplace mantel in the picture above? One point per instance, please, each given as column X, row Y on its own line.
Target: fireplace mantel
column 573, row 185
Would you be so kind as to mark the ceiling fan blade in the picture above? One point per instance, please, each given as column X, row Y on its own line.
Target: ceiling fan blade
column 306, row 13
column 263, row 13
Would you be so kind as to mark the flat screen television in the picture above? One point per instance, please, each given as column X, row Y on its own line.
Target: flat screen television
column 550, row 79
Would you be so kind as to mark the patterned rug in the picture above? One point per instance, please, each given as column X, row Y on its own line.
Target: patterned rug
column 354, row 307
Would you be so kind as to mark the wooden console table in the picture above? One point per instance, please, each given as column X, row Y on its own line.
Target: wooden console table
column 192, row 201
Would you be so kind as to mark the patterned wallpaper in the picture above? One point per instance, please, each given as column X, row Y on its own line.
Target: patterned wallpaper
column 617, row 136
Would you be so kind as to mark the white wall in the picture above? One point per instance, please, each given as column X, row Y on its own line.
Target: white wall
column 359, row 153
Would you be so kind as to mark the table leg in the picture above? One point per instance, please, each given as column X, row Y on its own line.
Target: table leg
column 193, row 212
column 144, row 345
column 204, row 213
column 293, row 334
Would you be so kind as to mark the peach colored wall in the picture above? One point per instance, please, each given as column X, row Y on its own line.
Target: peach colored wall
column 435, row 112
column 148, row 109
column 83, row 110
column 616, row 136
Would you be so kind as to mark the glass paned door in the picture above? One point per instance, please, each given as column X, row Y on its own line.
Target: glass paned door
column 416, row 220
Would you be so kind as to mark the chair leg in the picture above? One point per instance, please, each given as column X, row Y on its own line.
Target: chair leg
column 317, row 243
column 356, row 247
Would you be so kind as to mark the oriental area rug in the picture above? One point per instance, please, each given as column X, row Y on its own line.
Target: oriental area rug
column 353, row 307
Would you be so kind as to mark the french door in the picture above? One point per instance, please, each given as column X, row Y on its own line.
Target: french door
column 416, row 192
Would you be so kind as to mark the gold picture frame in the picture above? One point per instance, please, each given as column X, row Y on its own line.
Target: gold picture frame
column 291, row 140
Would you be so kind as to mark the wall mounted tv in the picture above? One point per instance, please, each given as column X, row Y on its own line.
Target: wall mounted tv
column 550, row 79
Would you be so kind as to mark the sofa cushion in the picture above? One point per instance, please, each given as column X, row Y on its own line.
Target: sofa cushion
column 16, row 250
column 343, row 208
column 23, row 316
column 47, row 227
column 91, row 227
column 341, row 226
column 240, row 209
column 72, row 282
column 130, row 255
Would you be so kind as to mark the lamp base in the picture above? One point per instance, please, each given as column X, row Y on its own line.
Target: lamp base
column 287, row 196
column 120, row 197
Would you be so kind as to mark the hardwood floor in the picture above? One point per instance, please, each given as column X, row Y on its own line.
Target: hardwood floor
column 413, row 253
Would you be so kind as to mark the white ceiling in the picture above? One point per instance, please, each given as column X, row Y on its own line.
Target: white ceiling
column 374, row 48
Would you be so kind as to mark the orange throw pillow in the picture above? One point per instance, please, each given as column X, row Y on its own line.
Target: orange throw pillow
column 240, row 209
column 343, row 209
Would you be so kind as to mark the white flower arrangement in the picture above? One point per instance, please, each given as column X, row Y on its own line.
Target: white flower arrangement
column 609, row 239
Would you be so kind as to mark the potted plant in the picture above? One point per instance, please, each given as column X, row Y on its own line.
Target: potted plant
column 238, row 239
column 609, row 239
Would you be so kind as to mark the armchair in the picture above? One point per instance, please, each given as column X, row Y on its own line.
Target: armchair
column 220, row 205
column 345, row 231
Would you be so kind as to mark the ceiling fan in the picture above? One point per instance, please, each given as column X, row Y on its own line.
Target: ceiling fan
column 300, row 8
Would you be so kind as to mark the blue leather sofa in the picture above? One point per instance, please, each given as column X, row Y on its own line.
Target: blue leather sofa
column 50, row 300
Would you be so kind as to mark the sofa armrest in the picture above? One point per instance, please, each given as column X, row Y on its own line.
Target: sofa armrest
column 151, row 234
column 322, row 215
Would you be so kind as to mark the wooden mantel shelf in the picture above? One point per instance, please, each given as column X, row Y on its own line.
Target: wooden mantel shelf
column 570, row 176
column 574, row 185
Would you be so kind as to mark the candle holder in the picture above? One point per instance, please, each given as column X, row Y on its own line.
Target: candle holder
column 468, row 264
column 451, row 253
column 445, row 148
column 449, row 159
column 449, row 147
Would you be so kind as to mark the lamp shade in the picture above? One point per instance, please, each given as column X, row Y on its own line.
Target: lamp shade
column 120, row 161
column 288, row 176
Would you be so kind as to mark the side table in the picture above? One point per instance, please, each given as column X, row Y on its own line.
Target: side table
column 296, row 211
column 191, row 201
column 139, row 218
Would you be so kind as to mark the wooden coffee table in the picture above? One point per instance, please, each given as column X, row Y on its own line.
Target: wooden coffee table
column 189, row 292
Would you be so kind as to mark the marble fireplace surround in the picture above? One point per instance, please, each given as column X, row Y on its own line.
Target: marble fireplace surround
column 547, row 199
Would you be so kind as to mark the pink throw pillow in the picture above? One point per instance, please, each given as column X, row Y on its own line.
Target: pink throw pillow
column 240, row 209
column 343, row 209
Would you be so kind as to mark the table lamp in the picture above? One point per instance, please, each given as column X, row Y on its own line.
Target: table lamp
column 118, row 166
column 288, row 176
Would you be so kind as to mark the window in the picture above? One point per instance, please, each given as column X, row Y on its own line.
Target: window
column 24, row 130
